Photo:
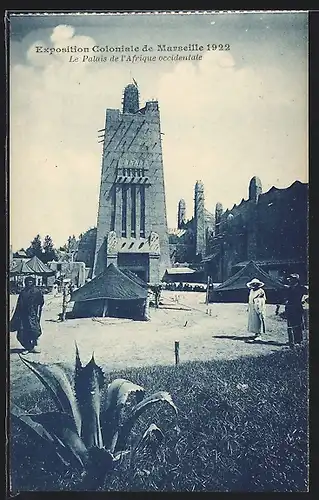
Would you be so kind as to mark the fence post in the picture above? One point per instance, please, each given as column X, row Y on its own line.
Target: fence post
column 176, row 352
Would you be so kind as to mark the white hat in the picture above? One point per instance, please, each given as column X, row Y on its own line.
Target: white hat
column 255, row 281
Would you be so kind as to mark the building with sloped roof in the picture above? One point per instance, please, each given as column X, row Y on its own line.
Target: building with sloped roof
column 269, row 228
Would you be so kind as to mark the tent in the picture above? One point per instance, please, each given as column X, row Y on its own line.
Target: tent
column 20, row 267
column 38, row 267
column 235, row 289
column 41, row 271
column 111, row 293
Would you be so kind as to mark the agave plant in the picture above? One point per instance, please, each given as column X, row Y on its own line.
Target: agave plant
column 79, row 434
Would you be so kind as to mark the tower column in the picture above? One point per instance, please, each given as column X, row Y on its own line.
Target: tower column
column 181, row 216
column 138, row 211
column 133, row 211
column 129, row 211
column 148, row 208
column 118, row 211
column 199, row 209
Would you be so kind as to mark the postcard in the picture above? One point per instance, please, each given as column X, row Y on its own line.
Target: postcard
column 158, row 277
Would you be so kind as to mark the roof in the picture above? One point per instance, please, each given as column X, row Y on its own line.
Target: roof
column 273, row 262
column 134, row 278
column 111, row 284
column 21, row 254
column 38, row 267
column 20, row 267
column 239, row 280
column 180, row 270
column 296, row 185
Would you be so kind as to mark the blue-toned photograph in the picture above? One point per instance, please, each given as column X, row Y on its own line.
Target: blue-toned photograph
column 158, row 323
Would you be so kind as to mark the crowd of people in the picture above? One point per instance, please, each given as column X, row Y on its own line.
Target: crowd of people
column 26, row 320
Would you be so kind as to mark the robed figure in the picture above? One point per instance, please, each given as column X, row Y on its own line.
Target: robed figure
column 27, row 315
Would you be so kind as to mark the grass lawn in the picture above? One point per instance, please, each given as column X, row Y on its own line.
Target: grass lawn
column 243, row 427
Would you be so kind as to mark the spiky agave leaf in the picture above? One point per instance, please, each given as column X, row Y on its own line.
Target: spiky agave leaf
column 125, row 429
column 54, row 378
column 36, row 429
column 78, row 364
column 62, row 427
column 21, row 417
column 153, row 437
column 118, row 392
column 88, row 384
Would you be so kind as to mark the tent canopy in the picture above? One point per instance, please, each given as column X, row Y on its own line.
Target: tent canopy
column 38, row 267
column 112, row 284
column 20, row 267
column 235, row 288
column 239, row 280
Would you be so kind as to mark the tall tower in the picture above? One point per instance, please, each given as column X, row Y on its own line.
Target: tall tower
column 131, row 99
column 199, row 216
column 132, row 222
column 255, row 189
column 218, row 217
column 181, row 216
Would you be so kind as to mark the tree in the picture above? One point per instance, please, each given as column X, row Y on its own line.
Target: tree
column 35, row 248
column 49, row 252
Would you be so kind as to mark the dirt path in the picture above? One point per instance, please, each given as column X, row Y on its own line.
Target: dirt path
column 120, row 343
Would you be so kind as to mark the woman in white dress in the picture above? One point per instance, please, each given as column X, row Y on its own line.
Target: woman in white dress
column 256, row 308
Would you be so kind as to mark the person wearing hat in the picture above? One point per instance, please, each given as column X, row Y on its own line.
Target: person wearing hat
column 27, row 315
column 256, row 308
column 295, row 293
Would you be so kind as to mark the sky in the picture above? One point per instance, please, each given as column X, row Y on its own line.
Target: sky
column 225, row 118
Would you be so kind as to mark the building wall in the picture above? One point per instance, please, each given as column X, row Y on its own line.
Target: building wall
column 135, row 262
column 132, row 156
column 271, row 228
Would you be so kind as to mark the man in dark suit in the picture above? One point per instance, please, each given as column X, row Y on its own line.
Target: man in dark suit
column 294, row 309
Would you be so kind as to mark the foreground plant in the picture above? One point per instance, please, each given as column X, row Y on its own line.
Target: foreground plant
column 78, row 433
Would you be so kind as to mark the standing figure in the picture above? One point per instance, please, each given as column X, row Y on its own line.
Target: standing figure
column 256, row 308
column 294, row 309
column 27, row 315
column 157, row 293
